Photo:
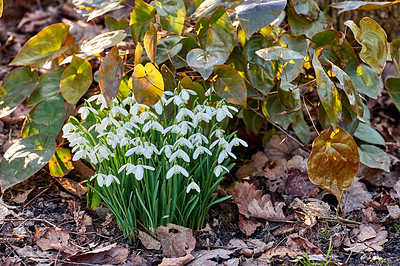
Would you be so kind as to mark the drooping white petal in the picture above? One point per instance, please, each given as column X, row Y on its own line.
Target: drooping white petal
column 191, row 186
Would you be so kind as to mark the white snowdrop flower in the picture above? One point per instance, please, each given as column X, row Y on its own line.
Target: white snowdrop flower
column 201, row 117
column 219, row 169
column 148, row 149
column 79, row 154
column 185, row 127
column 147, row 115
column 173, row 129
column 180, row 154
column 185, row 94
column 103, row 125
column 176, row 169
column 132, row 151
column 219, row 133
column 222, row 113
column 137, row 170
column 92, row 157
column 200, row 150
column 115, row 122
column 168, row 93
column 67, row 128
column 194, row 186
column 209, row 91
column 128, row 100
column 115, row 110
column 198, row 139
column 176, row 99
column 112, row 139
column 76, row 139
column 129, row 125
column 183, row 141
column 136, row 108
column 182, row 113
column 167, row 149
column 104, row 152
column 93, row 98
column 84, row 111
column 100, row 178
column 209, row 110
column 109, row 179
column 99, row 100
column 136, row 141
column 237, row 142
column 155, row 125
column 123, row 142
column 224, row 154
column 221, row 142
column 158, row 107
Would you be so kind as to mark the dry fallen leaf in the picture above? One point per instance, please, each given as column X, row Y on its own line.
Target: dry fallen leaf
column 21, row 197
column 311, row 210
column 177, row 261
column 111, row 254
column 72, row 187
column 52, row 238
column 279, row 147
column 296, row 242
column 248, row 225
column 354, row 197
column 368, row 239
column 280, row 252
column 148, row 241
column 203, row 257
column 256, row 164
column 176, row 241
column 394, row 214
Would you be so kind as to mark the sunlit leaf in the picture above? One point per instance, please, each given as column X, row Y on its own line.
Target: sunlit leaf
column 374, row 157
column 395, row 54
column 150, row 42
column 229, row 85
column 140, row 18
column 361, row 5
column 147, row 84
column 49, row 86
column 125, row 87
column 294, row 42
column 16, row 86
column 110, row 74
column 24, row 158
column 76, row 80
column 365, row 80
column 1, row 8
column 138, row 54
column 101, row 42
column 61, row 164
column 95, row 8
column 334, row 161
column 328, row 94
column 368, row 134
column 47, row 117
column 43, row 47
column 207, row 7
column 113, row 24
column 168, row 47
column 374, row 43
column 348, row 87
column 256, row 14
column 172, row 13
column 393, row 88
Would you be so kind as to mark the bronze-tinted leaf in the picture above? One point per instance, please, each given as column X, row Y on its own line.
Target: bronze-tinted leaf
column 147, row 84
column 150, row 42
column 110, row 74
column 334, row 161
column 141, row 15
column 228, row 84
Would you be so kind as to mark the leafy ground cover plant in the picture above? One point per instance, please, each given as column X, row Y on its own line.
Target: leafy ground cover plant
column 158, row 164
column 278, row 60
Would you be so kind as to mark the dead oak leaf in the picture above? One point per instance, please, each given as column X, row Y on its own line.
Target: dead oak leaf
column 58, row 239
column 369, row 239
column 296, row 242
column 248, row 225
column 243, row 195
column 176, row 241
column 111, row 254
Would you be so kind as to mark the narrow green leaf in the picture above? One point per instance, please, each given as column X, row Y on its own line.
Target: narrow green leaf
column 43, row 47
column 334, row 161
column 24, row 158
column 328, row 94
column 374, row 43
column 256, row 14
column 49, row 86
column 15, row 88
column 110, row 74
column 368, row 134
column 141, row 16
column 374, row 157
column 229, row 85
column 76, row 80
column 47, row 117
column 393, row 88
column 172, row 13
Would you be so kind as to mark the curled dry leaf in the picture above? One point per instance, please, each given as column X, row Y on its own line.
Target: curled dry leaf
column 176, row 241
column 296, row 242
column 58, row 239
column 148, row 241
column 177, row 261
column 310, row 211
column 355, row 196
column 111, row 254
column 72, row 187
column 203, row 257
column 21, row 197
column 369, row 239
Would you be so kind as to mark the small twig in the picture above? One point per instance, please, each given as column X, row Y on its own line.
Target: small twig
column 13, row 251
column 284, row 131
column 40, row 193
column 32, row 219
column 339, row 219
column 309, row 115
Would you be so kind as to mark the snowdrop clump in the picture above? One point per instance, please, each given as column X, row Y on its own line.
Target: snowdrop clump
column 158, row 163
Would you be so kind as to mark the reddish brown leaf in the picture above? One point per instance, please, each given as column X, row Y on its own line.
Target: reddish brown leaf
column 111, row 254
column 55, row 239
column 176, row 241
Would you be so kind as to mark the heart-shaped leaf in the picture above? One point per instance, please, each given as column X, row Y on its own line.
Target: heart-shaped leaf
column 110, row 74
column 141, row 16
column 167, row 48
column 47, row 117
column 49, row 86
column 207, row 7
column 16, row 86
column 203, row 61
column 365, row 80
column 229, row 85
column 361, row 5
column 147, row 84
column 113, row 24
column 256, row 14
column 101, row 42
column 150, row 42
column 334, row 161
column 61, row 164
column 368, row 134
column 24, row 158
column 172, row 13
column 393, row 88
column 76, row 80
column 43, row 47
column 374, row 157
column 328, row 94
column 374, row 43
column 95, row 8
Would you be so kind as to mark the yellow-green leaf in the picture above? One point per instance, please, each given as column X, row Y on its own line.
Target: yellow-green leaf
column 374, row 43
column 228, row 84
column 60, row 164
column 147, row 84
column 172, row 13
column 150, row 43
column 76, row 80
column 43, row 47
column 1, row 8
column 334, row 161
column 141, row 16
column 138, row 54
column 110, row 74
